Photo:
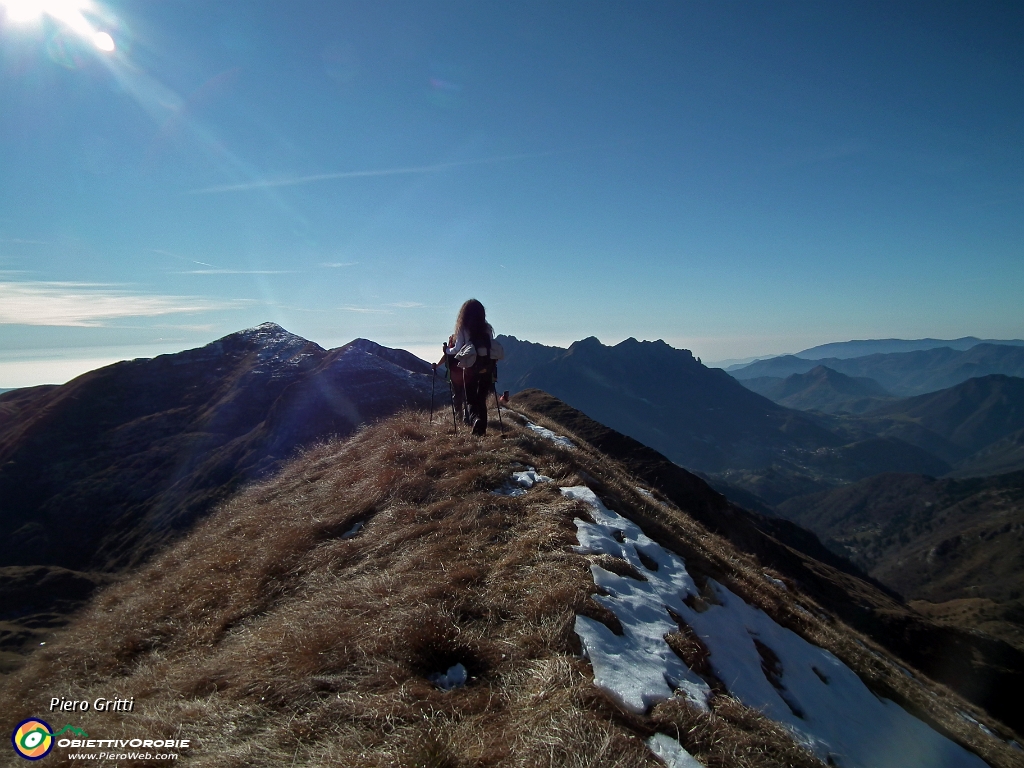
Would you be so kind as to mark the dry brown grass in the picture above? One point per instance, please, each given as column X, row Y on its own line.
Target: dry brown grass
column 270, row 639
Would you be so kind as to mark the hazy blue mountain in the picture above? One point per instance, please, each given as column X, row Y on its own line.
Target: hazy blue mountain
column 705, row 420
column 859, row 348
column 737, row 362
column 971, row 415
column 775, row 367
column 904, row 374
column 821, row 389
column 699, row 417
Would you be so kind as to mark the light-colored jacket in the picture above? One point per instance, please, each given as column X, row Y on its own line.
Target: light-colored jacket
column 466, row 354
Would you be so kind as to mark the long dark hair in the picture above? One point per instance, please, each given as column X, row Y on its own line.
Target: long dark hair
column 473, row 318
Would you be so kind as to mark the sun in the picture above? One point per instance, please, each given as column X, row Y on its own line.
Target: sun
column 103, row 41
column 67, row 12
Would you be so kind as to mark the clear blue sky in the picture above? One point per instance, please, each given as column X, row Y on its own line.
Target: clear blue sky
column 735, row 178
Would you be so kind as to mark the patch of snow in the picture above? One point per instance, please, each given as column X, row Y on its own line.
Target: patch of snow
column 1016, row 746
column 905, row 671
column 777, row 582
column 644, row 492
column 671, row 752
column 455, row 677
column 818, row 698
column 639, row 668
column 520, row 482
column 529, row 477
column 809, row 691
column 549, row 435
column 984, row 728
column 509, row 490
column 352, row 531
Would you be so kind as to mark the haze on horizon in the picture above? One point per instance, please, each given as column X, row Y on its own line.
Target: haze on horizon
column 735, row 179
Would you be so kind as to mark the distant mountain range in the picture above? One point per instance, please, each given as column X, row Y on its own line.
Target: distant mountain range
column 821, row 389
column 974, row 428
column 972, row 415
column 846, row 349
column 903, row 374
column 702, row 420
column 699, row 417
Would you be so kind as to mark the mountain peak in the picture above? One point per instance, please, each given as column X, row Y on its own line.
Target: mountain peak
column 268, row 340
column 263, row 333
column 591, row 342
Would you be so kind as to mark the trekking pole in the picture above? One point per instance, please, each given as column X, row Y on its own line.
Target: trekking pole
column 433, row 376
column 498, row 402
column 451, row 387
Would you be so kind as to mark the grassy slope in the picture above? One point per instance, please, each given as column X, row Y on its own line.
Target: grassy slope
column 270, row 639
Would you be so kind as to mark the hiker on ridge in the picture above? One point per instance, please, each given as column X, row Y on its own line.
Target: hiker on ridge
column 471, row 353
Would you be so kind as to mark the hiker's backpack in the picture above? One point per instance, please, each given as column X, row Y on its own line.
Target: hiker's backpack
column 480, row 357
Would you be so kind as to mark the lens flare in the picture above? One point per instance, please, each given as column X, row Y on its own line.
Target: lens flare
column 22, row 10
column 68, row 12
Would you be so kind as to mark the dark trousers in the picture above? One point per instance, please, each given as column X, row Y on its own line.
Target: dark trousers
column 478, row 386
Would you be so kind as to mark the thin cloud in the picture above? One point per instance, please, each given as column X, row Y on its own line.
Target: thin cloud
column 406, row 304
column 365, row 310
column 236, row 272
column 338, row 264
column 213, row 269
column 294, row 181
column 23, row 241
column 90, row 304
column 182, row 258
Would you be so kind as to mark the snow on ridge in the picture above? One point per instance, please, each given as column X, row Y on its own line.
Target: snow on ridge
column 639, row 668
column 810, row 692
column 549, row 435
column 671, row 752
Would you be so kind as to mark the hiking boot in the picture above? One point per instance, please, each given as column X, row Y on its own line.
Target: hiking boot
column 479, row 427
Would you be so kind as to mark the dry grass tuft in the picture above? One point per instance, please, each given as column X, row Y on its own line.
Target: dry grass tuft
column 731, row 736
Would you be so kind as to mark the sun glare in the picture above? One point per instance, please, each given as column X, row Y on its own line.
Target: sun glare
column 68, row 12
column 23, row 10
